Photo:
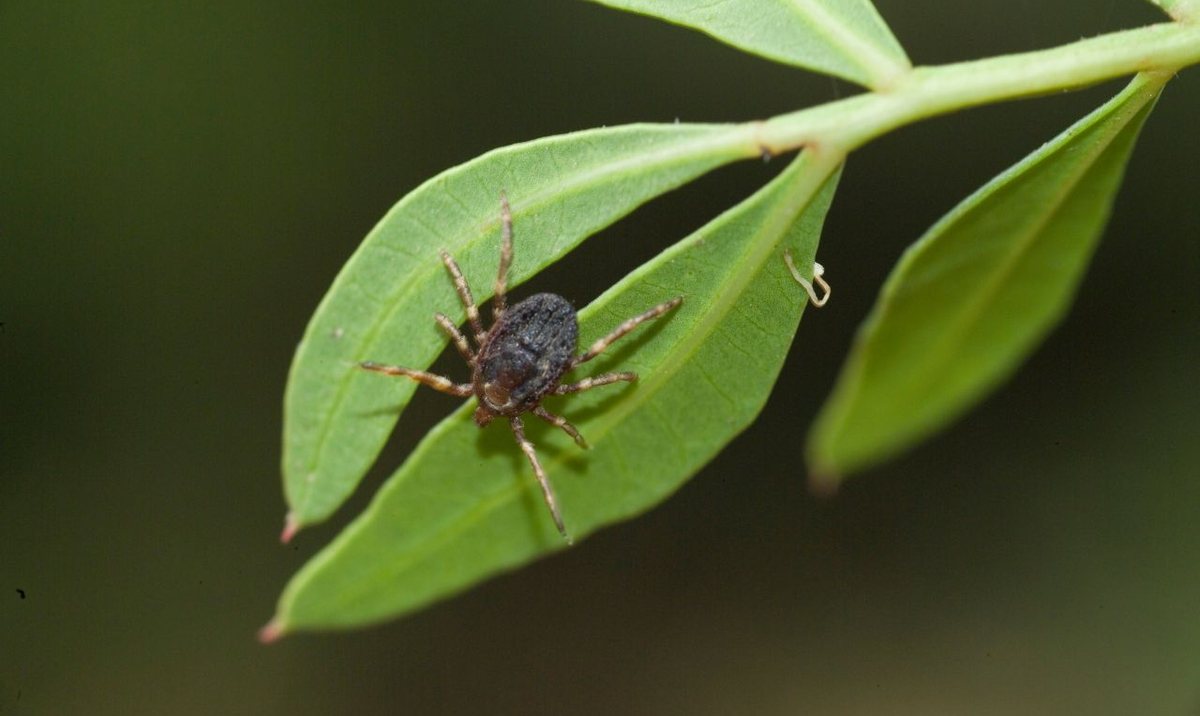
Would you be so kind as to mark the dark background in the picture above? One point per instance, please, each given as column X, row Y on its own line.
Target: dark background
column 179, row 184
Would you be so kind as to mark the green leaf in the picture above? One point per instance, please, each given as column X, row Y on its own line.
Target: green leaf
column 846, row 38
column 973, row 297
column 465, row 504
column 380, row 307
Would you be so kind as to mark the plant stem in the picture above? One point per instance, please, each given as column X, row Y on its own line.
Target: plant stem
column 928, row 91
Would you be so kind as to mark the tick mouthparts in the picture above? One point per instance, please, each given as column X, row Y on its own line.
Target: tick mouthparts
column 483, row 416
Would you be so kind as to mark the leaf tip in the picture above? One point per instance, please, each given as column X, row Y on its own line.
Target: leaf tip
column 271, row 632
column 291, row 526
column 823, row 480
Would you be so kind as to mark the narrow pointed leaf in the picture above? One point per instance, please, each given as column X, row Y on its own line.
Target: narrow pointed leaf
column 465, row 505
column 846, row 38
column 972, row 298
column 380, row 307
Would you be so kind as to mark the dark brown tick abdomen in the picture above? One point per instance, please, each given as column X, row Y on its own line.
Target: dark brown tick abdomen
column 529, row 349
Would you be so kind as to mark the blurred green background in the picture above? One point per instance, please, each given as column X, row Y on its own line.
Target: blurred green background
column 179, row 184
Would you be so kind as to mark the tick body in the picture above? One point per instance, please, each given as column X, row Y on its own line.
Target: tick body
column 522, row 358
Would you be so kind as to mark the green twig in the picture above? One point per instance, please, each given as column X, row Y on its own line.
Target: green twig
column 842, row 126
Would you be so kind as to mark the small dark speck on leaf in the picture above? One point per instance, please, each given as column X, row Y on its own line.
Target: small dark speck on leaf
column 21, row 592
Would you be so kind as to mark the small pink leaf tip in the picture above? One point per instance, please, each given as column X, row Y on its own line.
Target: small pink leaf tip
column 271, row 632
column 290, row 528
column 823, row 483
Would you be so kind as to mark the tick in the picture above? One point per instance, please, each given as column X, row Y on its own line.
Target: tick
column 522, row 358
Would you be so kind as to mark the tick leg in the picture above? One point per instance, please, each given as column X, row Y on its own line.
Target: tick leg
column 518, row 429
column 464, row 292
column 460, row 341
column 594, row 381
column 498, row 303
column 618, row 332
column 561, row 422
column 436, row 382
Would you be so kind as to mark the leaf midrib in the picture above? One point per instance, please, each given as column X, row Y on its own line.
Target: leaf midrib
column 860, row 52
